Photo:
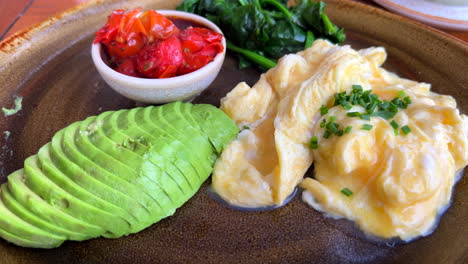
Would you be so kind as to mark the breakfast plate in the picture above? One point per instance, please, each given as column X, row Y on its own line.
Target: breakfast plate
column 50, row 66
column 448, row 14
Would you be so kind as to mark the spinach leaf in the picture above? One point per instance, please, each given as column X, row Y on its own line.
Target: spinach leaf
column 262, row 31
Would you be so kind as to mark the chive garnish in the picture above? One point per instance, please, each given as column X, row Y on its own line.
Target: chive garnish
column 245, row 127
column 373, row 105
column 365, row 117
column 323, row 110
column 352, row 114
column 394, row 124
column 407, row 100
column 405, row 129
column 346, row 191
column 357, row 88
column 332, row 126
column 348, row 129
column 314, row 142
column 323, row 123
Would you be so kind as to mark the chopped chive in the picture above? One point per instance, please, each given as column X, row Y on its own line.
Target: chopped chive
column 357, row 88
column 393, row 107
column 332, row 119
column 348, row 129
column 371, row 107
column 407, row 100
column 339, row 133
column 364, row 117
column 366, row 127
column 327, row 134
column 333, row 127
column 245, row 127
column 352, row 114
column 346, row 191
column 394, row 124
column 323, row 123
column 395, row 130
column 347, row 106
column 362, row 103
column 323, row 110
column 405, row 129
column 401, row 93
column 384, row 114
column 384, row 105
column 314, row 142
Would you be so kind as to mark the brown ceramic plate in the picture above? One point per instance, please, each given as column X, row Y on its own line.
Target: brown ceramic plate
column 50, row 66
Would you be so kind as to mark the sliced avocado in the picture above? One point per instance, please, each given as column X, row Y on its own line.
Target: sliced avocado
column 29, row 199
column 183, row 132
column 39, row 183
column 21, row 241
column 52, row 164
column 18, row 209
column 133, row 161
column 166, row 181
column 215, row 124
column 16, row 226
column 65, row 156
column 165, row 161
column 111, row 165
column 180, row 122
column 118, row 128
column 114, row 178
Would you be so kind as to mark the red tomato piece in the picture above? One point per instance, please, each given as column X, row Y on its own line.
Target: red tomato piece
column 211, row 49
column 196, row 38
column 109, row 31
column 157, row 26
column 127, row 67
column 123, row 50
column 161, row 59
column 193, row 62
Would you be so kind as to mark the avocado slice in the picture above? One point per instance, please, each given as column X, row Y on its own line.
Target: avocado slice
column 165, row 161
column 133, row 161
column 39, row 207
column 103, row 183
column 113, row 166
column 113, row 174
column 206, row 118
column 19, row 210
column 69, row 176
column 18, row 227
column 147, row 171
column 166, row 181
column 182, row 131
column 21, row 241
column 38, row 182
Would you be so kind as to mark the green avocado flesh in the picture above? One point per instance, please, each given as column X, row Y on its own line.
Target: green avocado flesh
column 113, row 174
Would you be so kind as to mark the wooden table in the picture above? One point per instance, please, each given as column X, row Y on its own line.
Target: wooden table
column 20, row 14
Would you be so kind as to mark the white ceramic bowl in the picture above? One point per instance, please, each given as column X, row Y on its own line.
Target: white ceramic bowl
column 179, row 88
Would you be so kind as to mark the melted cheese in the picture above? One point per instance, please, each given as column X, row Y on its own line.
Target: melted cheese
column 400, row 183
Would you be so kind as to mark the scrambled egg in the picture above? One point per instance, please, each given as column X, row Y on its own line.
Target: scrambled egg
column 398, row 183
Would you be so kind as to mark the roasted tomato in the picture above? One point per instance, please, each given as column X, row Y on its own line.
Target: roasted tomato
column 195, row 38
column 127, row 67
column 161, row 59
column 147, row 44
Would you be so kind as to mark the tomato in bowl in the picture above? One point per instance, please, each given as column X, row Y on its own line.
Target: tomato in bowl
column 158, row 56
